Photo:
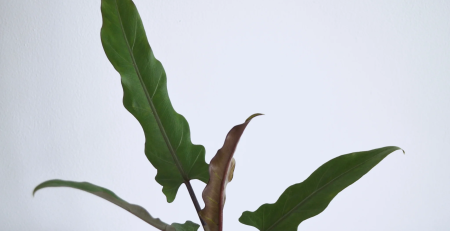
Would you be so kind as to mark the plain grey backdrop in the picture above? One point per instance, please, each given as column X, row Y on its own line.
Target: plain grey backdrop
column 331, row 77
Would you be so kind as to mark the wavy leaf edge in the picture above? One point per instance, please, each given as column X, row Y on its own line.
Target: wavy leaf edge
column 258, row 217
column 168, row 146
column 110, row 196
column 221, row 170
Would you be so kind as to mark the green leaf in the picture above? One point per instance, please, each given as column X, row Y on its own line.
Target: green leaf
column 309, row 198
column 168, row 143
column 187, row 226
column 113, row 198
column 221, row 171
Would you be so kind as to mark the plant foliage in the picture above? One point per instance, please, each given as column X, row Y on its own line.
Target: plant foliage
column 113, row 198
column 309, row 198
column 169, row 149
column 221, row 170
column 168, row 143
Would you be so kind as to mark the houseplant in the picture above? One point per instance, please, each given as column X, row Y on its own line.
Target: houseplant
column 178, row 161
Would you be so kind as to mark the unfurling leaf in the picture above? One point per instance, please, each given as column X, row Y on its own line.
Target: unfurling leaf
column 113, row 198
column 309, row 198
column 221, row 170
column 168, row 143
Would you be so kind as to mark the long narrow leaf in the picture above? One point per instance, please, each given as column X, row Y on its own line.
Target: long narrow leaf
column 221, row 171
column 309, row 198
column 168, row 144
column 113, row 198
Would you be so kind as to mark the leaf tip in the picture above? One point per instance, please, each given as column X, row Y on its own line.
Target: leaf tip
column 36, row 189
column 253, row 116
column 398, row 148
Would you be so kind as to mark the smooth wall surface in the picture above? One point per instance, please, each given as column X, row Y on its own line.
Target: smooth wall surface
column 332, row 77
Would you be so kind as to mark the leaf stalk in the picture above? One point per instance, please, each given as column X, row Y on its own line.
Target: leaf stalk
column 195, row 201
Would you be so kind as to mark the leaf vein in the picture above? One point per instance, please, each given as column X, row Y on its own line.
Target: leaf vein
column 315, row 191
column 150, row 102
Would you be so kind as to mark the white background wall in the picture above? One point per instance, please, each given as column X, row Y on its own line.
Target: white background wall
column 332, row 77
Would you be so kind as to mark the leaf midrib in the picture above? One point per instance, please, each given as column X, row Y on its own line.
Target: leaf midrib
column 149, row 99
column 313, row 193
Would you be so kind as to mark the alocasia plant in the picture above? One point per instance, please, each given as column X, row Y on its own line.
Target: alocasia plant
column 169, row 149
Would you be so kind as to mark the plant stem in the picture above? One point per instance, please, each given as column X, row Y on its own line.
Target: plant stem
column 195, row 201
